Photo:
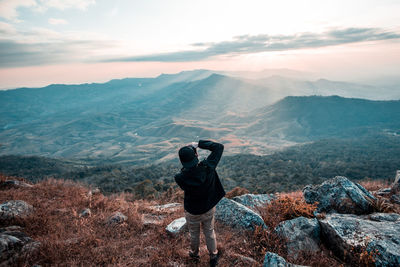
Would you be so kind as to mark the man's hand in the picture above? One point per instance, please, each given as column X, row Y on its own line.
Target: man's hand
column 195, row 144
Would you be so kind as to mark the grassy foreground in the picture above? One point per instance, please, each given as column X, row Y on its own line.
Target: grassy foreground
column 70, row 240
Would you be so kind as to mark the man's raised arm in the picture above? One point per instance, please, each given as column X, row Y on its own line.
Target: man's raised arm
column 216, row 152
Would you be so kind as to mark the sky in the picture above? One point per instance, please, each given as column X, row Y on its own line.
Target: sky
column 79, row 41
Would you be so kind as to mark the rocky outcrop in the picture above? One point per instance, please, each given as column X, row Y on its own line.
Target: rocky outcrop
column 116, row 218
column 274, row 260
column 396, row 184
column 176, row 226
column 380, row 237
column 384, row 217
column 237, row 216
column 340, row 195
column 301, row 234
column 253, row 201
column 14, row 209
column 15, row 244
column 395, row 199
column 153, row 219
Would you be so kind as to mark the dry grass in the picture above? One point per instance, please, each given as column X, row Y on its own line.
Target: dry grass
column 286, row 208
column 374, row 185
column 69, row 240
column 237, row 191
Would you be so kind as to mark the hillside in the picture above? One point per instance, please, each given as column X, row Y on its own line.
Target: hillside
column 142, row 120
column 316, row 117
column 376, row 157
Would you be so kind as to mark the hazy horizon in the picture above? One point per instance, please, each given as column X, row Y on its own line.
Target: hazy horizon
column 83, row 41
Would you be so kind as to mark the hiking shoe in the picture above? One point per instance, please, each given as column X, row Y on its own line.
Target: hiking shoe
column 195, row 258
column 214, row 259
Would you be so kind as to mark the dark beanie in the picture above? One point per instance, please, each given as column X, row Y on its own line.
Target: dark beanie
column 187, row 156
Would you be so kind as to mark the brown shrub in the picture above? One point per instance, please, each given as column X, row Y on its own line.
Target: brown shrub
column 286, row 208
column 173, row 194
column 295, row 194
column 374, row 185
column 237, row 191
column 382, row 204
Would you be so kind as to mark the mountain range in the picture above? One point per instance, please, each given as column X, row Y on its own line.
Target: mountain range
column 142, row 120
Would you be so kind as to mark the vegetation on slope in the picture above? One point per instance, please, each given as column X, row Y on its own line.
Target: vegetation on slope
column 376, row 157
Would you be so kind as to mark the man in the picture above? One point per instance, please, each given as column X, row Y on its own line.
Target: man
column 203, row 190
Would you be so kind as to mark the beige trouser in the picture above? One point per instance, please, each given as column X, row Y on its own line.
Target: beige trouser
column 207, row 223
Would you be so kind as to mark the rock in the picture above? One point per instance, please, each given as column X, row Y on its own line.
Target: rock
column 148, row 219
column 395, row 199
column 237, row 216
column 170, row 207
column 14, row 184
column 14, row 209
column 175, row 264
column 117, row 218
column 253, row 201
column 346, row 232
column 384, row 217
column 12, row 228
column 340, row 195
column 176, row 226
column 85, row 213
column 243, row 259
column 396, row 184
column 274, row 260
column 383, row 191
column 94, row 191
column 15, row 244
column 302, row 234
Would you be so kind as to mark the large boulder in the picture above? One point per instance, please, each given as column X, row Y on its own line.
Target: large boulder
column 274, row 260
column 302, row 234
column 14, row 209
column 380, row 236
column 253, row 201
column 340, row 195
column 176, row 226
column 237, row 216
column 14, row 245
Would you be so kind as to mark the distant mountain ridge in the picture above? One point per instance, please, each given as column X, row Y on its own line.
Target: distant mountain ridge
column 141, row 120
column 315, row 117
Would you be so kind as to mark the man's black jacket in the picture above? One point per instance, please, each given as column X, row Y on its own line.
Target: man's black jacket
column 201, row 184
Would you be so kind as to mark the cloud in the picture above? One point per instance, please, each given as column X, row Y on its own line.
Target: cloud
column 246, row 44
column 17, row 54
column 54, row 21
column 6, row 29
column 9, row 8
column 65, row 4
column 42, row 46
